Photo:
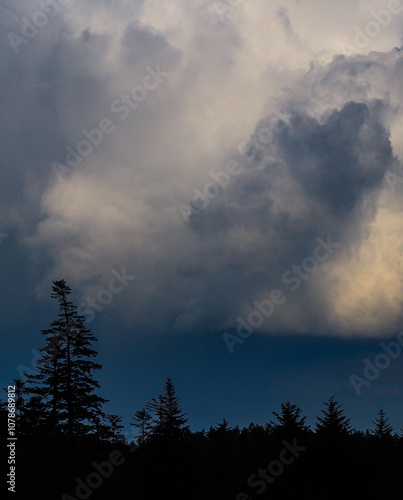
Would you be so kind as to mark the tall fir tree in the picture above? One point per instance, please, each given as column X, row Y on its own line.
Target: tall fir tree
column 383, row 430
column 289, row 423
column 174, row 417
column 115, row 428
column 168, row 417
column 142, row 420
column 333, row 424
column 65, row 384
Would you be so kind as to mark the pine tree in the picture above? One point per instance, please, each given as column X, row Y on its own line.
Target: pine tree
column 115, row 426
column 383, row 430
column 156, row 409
column 44, row 387
column 102, row 428
column 168, row 420
column 334, row 423
column 290, row 422
column 65, row 383
column 174, row 418
column 142, row 420
column 35, row 415
column 222, row 427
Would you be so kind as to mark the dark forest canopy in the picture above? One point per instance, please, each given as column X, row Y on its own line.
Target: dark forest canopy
column 69, row 448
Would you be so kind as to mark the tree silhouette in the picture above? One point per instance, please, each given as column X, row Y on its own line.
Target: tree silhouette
column 383, row 430
column 155, row 408
column 168, row 417
column 65, row 385
column 88, row 451
column 142, row 420
column 45, row 386
column 222, row 427
column 334, row 423
column 290, row 423
column 174, row 418
column 115, row 427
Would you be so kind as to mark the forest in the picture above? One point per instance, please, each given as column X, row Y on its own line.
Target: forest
column 68, row 448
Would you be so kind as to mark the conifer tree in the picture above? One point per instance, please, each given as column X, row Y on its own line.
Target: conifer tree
column 44, row 387
column 168, row 417
column 115, row 426
column 334, row 423
column 65, row 383
column 223, row 427
column 174, row 417
column 102, row 428
column 289, row 423
column 382, row 427
column 142, row 420
column 156, row 409
column 35, row 415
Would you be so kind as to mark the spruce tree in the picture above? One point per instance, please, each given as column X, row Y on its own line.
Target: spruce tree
column 115, row 427
column 334, row 423
column 222, row 427
column 168, row 417
column 156, row 409
column 289, row 423
column 44, row 387
column 142, row 420
column 35, row 415
column 383, row 430
column 65, row 383
column 174, row 417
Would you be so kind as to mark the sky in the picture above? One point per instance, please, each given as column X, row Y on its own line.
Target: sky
column 220, row 184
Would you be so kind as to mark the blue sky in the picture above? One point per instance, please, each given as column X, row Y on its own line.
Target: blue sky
column 221, row 187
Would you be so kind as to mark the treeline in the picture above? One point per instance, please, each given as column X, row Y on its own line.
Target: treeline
column 69, row 448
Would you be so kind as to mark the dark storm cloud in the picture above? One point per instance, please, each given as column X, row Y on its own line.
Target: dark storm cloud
column 321, row 174
column 318, row 177
column 334, row 164
column 340, row 161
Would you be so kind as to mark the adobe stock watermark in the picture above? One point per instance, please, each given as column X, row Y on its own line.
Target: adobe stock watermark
column 221, row 179
column 105, row 296
column 382, row 361
column 381, row 19
column 264, row 476
column 121, row 106
column 95, row 479
column 31, row 27
column 293, row 277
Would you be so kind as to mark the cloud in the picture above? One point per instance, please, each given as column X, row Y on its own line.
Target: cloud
column 322, row 173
